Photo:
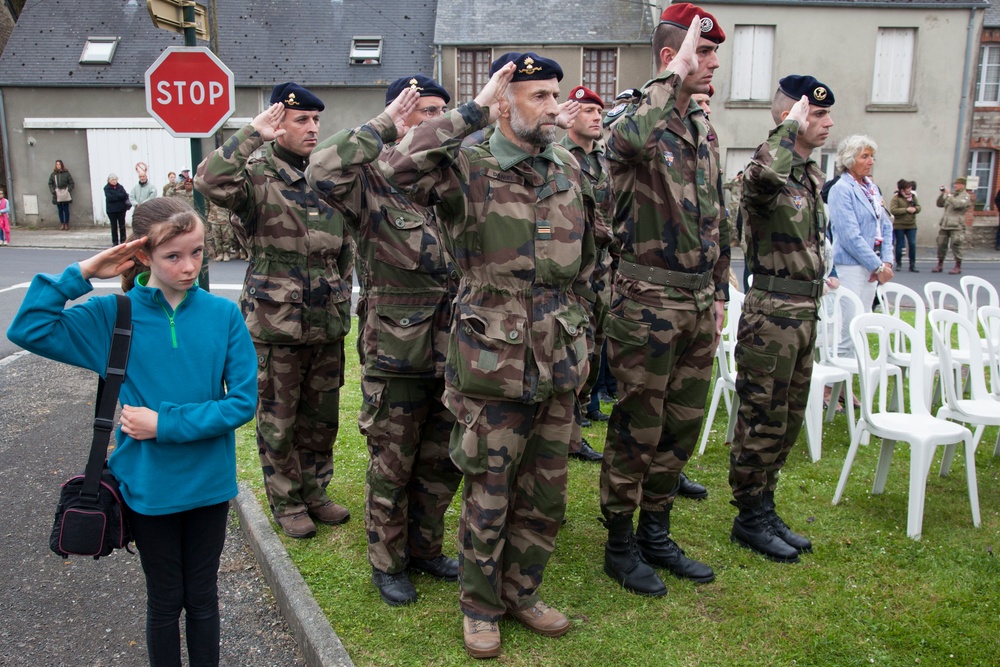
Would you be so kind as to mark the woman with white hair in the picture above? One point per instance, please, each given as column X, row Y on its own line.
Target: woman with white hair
column 862, row 226
column 116, row 203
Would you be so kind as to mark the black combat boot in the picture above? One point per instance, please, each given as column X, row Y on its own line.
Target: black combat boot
column 798, row 542
column 622, row 561
column 752, row 529
column 657, row 549
column 691, row 489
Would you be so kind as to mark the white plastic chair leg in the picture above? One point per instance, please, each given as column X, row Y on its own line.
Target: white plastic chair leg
column 848, row 462
column 731, row 427
column 919, row 467
column 882, row 470
column 949, row 454
column 970, row 477
column 710, row 418
column 996, row 449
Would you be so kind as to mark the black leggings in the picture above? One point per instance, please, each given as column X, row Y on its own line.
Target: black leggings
column 180, row 557
column 117, row 227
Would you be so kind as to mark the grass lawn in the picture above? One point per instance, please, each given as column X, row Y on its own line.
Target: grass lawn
column 867, row 595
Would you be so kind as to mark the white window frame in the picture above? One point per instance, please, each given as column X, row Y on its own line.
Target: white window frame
column 366, row 50
column 753, row 62
column 976, row 156
column 99, row 50
column 893, row 75
column 988, row 76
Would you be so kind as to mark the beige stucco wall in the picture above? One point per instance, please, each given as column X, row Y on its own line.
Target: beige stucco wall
column 837, row 45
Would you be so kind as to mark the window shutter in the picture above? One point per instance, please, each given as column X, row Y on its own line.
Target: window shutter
column 753, row 51
column 893, row 66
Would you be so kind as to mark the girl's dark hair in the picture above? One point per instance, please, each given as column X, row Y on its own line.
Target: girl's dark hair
column 62, row 165
column 159, row 220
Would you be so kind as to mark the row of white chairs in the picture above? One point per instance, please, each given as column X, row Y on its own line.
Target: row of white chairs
column 899, row 346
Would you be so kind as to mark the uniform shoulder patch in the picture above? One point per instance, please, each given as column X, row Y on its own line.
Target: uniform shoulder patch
column 618, row 110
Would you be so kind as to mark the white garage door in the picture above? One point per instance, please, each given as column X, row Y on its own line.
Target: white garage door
column 117, row 151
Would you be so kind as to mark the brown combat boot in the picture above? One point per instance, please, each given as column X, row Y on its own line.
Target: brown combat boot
column 957, row 268
column 939, row 268
column 482, row 638
column 543, row 619
column 329, row 513
column 298, row 525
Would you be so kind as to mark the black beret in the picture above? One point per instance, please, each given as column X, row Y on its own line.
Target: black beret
column 797, row 85
column 294, row 96
column 530, row 67
column 426, row 86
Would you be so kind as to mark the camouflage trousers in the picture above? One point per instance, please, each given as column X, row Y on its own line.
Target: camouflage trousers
column 774, row 359
column 583, row 396
column 513, row 457
column 221, row 242
column 298, row 414
column 411, row 479
column 954, row 236
column 662, row 359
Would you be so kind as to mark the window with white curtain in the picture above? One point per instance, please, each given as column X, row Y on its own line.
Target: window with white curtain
column 981, row 164
column 753, row 53
column 988, row 76
column 893, row 65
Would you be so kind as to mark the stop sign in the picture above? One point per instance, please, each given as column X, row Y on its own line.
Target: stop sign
column 190, row 91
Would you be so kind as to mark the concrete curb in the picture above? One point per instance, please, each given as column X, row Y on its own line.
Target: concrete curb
column 320, row 645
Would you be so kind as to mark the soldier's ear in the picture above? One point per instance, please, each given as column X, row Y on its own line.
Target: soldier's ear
column 666, row 56
column 784, row 115
column 504, row 107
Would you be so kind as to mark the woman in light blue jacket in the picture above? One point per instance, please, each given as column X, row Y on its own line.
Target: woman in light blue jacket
column 862, row 227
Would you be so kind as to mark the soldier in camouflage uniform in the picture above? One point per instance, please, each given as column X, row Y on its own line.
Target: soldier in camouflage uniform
column 777, row 331
column 516, row 213
column 407, row 285
column 952, row 226
column 668, row 300
column 296, row 300
column 582, row 139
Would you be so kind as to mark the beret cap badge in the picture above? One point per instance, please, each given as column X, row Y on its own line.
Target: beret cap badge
column 820, row 93
column 707, row 24
column 291, row 101
column 528, row 66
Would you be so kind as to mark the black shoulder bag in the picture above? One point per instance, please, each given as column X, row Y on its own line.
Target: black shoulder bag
column 90, row 519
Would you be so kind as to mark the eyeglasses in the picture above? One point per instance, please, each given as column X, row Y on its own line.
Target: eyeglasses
column 431, row 112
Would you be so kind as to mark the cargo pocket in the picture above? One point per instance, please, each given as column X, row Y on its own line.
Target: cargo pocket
column 486, row 354
column 756, row 369
column 401, row 238
column 274, row 308
column 371, row 404
column 468, row 447
column 570, row 351
column 405, row 338
column 627, row 349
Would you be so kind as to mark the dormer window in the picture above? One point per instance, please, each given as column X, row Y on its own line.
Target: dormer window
column 366, row 51
column 99, row 50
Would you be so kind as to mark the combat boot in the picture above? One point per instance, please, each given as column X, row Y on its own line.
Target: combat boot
column 799, row 542
column 752, row 529
column 622, row 561
column 690, row 489
column 657, row 549
column 939, row 268
column 395, row 588
column 957, row 268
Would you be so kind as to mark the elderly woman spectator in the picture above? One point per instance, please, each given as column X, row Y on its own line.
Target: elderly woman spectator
column 862, row 227
column 116, row 203
column 904, row 208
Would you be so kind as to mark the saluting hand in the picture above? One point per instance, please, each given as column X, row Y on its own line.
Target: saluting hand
column 686, row 60
column 401, row 108
column 492, row 92
column 800, row 113
column 268, row 121
column 568, row 111
column 111, row 262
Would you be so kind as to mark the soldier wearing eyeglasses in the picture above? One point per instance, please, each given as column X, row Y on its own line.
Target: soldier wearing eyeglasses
column 407, row 284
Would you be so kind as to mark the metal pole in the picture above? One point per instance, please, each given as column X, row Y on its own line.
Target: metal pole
column 190, row 39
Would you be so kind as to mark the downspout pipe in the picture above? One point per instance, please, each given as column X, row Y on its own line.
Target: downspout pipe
column 6, row 159
column 439, row 66
column 961, row 142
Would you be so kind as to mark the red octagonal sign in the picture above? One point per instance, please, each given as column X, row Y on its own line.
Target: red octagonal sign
column 190, row 91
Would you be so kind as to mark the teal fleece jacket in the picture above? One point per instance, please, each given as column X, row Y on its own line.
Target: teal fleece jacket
column 195, row 366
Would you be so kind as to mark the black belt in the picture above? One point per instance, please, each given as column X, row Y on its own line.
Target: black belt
column 665, row 277
column 813, row 288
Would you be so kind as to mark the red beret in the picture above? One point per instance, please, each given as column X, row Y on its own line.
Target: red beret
column 683, row 13
column 586, row 96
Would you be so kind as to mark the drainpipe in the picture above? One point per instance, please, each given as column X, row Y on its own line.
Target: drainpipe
column 6, row 159
column 961, row 142
column 439, row 54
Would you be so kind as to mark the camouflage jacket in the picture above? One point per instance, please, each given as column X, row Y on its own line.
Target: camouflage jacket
column 520, row 229
column 407, row 280
column 298, row 285
column 785, row 223
column 955, row 206
column 595, row 168
column 674, row 218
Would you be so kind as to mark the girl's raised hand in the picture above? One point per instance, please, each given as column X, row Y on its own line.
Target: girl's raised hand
column 113, row 261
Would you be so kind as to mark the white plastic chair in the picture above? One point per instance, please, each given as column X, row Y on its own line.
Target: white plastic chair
column 946, row 297
column 894, row 297
column 981, row 409
column 826, row 375
column 989, row 318
column 924, row 432
column 725, row 372
column 978, row 293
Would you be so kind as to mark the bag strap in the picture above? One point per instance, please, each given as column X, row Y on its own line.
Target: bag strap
column 107, row 397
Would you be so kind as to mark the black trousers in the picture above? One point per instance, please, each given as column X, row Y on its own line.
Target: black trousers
column 117, row 227
column 180, row 557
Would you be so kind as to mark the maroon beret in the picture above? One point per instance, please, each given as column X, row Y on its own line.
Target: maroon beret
column 683, row 13
column 585, row 96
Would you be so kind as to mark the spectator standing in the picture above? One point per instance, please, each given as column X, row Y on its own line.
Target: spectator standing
column 116, row 203
column 4, row 218
column 904, row 208
column 952, row 226
column 142, row 191
column 61, row 186
column 168, row 187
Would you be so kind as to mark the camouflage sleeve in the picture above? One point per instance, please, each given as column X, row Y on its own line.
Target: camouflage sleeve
column 222, row 176
column 720, row 272
column 770, row 168
column 424, row 165
column 335, row 165
column 634, row 135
